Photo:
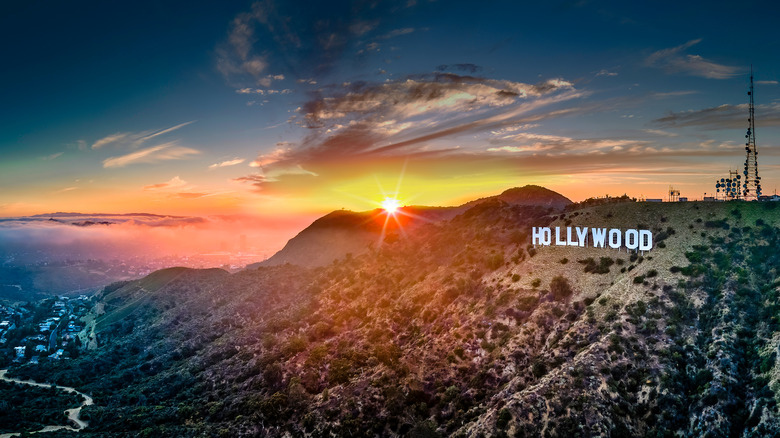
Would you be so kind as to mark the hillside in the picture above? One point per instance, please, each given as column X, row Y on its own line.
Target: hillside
column 345, row 232
column 458, row 327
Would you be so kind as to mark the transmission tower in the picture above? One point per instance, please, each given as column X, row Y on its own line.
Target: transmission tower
column 752, row 183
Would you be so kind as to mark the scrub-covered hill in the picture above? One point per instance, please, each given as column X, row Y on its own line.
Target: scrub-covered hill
column 345, row 232
column 459, row 327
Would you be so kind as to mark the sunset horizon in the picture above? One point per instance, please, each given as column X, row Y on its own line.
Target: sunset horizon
column 234, row 113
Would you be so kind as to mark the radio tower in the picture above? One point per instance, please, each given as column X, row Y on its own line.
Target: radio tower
column 752, row 184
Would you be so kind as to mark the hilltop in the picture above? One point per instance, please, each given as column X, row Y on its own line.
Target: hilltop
column 459, row 327
column 345, row 232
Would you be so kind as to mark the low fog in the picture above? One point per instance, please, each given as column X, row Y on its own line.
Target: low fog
column 65, row 236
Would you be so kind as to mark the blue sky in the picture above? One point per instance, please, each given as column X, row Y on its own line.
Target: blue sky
column 279, row 108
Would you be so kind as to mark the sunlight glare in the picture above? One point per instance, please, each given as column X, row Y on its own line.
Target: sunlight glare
column 391, row 205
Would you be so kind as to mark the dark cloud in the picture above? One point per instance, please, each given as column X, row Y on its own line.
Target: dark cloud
column 721, row 117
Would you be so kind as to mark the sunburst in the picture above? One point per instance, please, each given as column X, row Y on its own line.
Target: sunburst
column 391, row 205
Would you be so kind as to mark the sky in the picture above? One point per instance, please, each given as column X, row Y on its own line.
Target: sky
column 286, row 110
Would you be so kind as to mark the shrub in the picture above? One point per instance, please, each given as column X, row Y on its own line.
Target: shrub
column 560, row 287
column 539, row 369
column 601, row 268
column 503, row 418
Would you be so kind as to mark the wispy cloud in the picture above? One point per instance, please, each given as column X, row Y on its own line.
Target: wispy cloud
column 359, row 123
column 256, row 180
column 674, row 60
column 135, row 139
column 420, row 96
column 660, row 132
column 52, row 156
column 397, row 32
column 559, row 145
column 66, row 189
column 113, row 138
column 154, row 154
column 720, row 117
column 175, row 182
column 261, row 91
column 766, row 82
column 227, row 163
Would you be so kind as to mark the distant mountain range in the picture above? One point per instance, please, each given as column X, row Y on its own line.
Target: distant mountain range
column 456, row 326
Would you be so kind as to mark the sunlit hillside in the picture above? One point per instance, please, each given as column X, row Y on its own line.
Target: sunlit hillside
column 456, row 327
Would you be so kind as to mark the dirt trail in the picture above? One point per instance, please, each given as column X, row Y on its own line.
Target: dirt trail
column 73, row 413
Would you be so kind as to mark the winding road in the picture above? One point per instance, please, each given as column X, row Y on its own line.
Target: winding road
column 73, row 414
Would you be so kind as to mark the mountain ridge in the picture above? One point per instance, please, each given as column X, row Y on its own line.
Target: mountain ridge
column 343, row 232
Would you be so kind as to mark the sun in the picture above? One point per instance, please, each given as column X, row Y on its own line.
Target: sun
column 391, row 205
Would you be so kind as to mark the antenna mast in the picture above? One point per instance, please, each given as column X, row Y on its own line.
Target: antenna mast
column 752, row 184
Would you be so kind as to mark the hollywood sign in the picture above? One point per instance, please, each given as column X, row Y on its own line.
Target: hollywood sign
column 640, row 240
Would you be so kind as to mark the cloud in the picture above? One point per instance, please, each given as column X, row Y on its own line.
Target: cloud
column 561, row 145
column 673, row 60
column 66, row 189
column 154, row 154
column 660, row 132
column 420, row 96
column 191, row 195
column 279, row 154
column 227, row 163
column 397, row 32
column 766, row 82
column 175, row 182
column 721, row 117
column 358, row 123
column 605, row 72
column 52, row 156
column 135, row 139
column 360, row 27
column 113, row 138
column 673, row 94
column 248, row 90
column 256, row 179
column 165, row 131
column 283, row 38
